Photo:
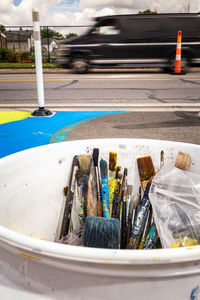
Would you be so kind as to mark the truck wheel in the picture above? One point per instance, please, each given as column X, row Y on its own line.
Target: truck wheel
column 185, row 64
column 79, row 65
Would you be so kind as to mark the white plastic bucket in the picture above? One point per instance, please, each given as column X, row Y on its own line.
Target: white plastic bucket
column 31, row 200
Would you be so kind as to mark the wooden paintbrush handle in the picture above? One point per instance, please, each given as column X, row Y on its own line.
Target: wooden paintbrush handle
column 99, row 206
column 182, row 161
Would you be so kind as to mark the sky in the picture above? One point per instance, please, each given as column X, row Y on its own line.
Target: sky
column 82, row 12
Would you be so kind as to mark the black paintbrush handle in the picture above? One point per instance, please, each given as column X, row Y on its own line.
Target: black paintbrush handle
column 67, row 214
column 69, row 199
column 123, row 227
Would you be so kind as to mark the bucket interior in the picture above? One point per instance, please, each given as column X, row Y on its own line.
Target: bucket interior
column 32, row 181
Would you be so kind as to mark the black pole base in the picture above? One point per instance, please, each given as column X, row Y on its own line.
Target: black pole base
column 41, row 112
column 181, row 73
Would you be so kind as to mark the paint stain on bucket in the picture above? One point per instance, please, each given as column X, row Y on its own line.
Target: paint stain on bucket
column 29, row 256
column 194, row 294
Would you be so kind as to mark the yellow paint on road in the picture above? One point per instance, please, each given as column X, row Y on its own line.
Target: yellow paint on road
column 10, row 116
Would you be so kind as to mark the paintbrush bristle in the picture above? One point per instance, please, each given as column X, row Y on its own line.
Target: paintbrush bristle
column 112, row 161
column 136, row 200
column 182, row 161
column 103, row 168
column 84, row 163
column 145, row 167
column 129, row 189
column 95, row 156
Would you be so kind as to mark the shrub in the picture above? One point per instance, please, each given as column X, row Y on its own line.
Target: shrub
column 8, row 55
column 26, row 56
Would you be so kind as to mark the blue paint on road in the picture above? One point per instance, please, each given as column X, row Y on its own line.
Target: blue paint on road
column 36, row 131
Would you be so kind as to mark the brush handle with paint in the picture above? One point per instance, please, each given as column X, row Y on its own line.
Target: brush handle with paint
column 132, row 213
column 95, row 157
column 116, row 203
column 92, row 192
column 84, row 163
column 69, row 198
column 105, row 188
column 99, row 197
column 112, row 187
column 112, row 178
column 152, row 237
column 146, row 229
column 105, row 197
column 124, row 210
column 139, row 224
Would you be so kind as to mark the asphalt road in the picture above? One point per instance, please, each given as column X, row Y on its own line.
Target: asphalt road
column 156, row 105
column 133, row 91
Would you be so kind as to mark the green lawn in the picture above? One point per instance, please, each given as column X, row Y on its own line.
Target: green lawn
column 26, row 65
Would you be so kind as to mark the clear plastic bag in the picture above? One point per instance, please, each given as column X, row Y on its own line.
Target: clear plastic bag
column 175, row 198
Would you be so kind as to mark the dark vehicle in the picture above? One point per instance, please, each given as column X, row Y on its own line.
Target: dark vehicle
column 134, row 41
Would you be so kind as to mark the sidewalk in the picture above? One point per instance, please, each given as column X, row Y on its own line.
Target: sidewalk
column 32, row 71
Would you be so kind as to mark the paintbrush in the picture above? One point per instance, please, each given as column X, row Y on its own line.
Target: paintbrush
column 140, row 220
column 95, row 157
column 146, row 229
column 161, row 159
column 73, row 238
column 124, row 209
column 69, row 198
column 105, row 188
column 152, row 237
column 112, row 178
column 146, row 169
column 92, row 192
column 84, row 163
column 75, row 218
column 116, row 203
column 183, row 161
column 102, row 233
column 131, row 213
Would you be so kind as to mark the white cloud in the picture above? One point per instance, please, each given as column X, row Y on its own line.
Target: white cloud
column 162, row 5
column 57, row 12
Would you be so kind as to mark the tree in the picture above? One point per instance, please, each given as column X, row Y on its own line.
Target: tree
column 147, row 12
column 70, row 35
column 2, row 28
column 50, row 33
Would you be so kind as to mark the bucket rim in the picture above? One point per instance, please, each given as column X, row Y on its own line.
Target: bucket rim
column 24, row 244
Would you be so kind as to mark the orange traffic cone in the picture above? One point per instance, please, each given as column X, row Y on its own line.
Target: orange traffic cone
column 177, row 68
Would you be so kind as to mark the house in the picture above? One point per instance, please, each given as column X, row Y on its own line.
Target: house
column 48, row 44
column 3, row 41
column 19, row 40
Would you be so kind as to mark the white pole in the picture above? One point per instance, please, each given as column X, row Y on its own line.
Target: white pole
column 38, row 57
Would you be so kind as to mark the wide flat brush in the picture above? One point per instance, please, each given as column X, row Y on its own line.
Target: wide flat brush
column 112, row 178
column 105, row 188
column 146, row 169
column 98, row 183
column 69, row 198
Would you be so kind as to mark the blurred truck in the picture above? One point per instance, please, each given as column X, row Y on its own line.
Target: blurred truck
column 134, row 41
